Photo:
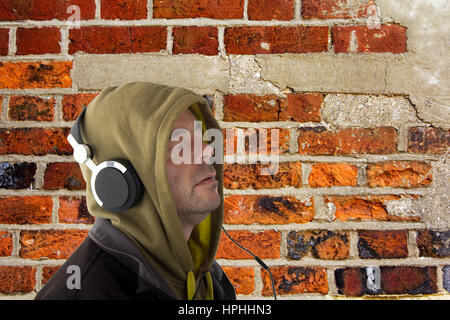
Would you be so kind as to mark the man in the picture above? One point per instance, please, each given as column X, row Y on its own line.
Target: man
column 163, row 247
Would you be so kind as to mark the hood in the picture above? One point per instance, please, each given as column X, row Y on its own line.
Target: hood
column 134, row 121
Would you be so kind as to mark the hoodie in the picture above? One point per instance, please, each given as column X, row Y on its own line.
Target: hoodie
column 134, row 121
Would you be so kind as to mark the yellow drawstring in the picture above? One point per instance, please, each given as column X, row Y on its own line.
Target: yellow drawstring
column 209, row 285
column 191, row 286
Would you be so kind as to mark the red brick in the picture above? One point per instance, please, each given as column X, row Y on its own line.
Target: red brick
column 365, row 207
column 433, row 243
column 100, row 40
column 428, row 140
column 27, row 108
column 74, row 210
column 251, row 107
column 48, row 272
column 180, row 9
column 19, row 175
column 51, row 244
column 332, row 174
column 265, row 244
column 382, row 244
column 34, row 75
column 295, row 280
column 60, row 175
column 14, row 279
column 271, row 9
column 38, row 40
column 4, row 41
column 35, row 141
column 11, row 10
column 389, row 38
column 334, row 9
column 26, row 210
column 399, row 174
column 316, row 141
column 408, row 280
column 249, row 209
column 6, row 244
column 325, row 245
column 242, row 278
column 242, row 176
column 350, row 281
column 192, row 39
column 263, row 139
column 123, row 9
column 73, row 104
column 275, row 39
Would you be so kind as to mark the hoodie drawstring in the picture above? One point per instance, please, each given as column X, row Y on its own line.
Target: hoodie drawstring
column 192, row 291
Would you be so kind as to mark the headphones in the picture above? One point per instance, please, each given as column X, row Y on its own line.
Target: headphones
column 114, row 183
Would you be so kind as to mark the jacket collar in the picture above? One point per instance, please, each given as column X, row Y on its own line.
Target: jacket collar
column 121, row 247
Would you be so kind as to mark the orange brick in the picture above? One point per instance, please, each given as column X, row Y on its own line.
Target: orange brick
column 6, row 243
column 382, row 244
column 61, row 175
column 51, row 244
column 270, row 9
column 26, row 210
column 265, row 244
column 26, row 108
column 295, row 280
column 74, row 210
column 33, row 75
column 248, row 209
column 334, row 9
column 242, row 176
column 193, row 39
column 124, row 9
column 302, row 107
column 403, row 174
column 48, row 272
column 242, row 278
column 261, row 140
column 72, row 105
column 428, row 140
column 15, row 279
column 332, row 174
column 181, row 9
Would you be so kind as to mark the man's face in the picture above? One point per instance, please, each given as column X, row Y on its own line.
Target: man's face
column 192, row 198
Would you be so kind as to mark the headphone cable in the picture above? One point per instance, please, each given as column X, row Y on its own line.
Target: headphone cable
column 258, row 259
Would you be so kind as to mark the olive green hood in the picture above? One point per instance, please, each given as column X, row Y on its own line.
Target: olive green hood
column 134, row 121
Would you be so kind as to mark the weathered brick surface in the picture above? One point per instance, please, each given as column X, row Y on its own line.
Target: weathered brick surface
column 325, row 245
column 262, row 138
column 45, row 9
column 317, row 140
column 26, row 209
column 123, row 9
column 265, row 244
column 17, row 279
column 389, row 38
column 393, row 280
column 403, row 174
column 365, row 207
column 255, row 108
column 35, row 141
column 98, row 40
column 4, row 41
column 295, row 280
column 32, row 75
column 29, row 108
column 48, row 272
column 242, row 176
column 382, row 244
column 275, row 39
column 334, row 9
column 40, row 40
column 178, row 9
column 332, row 174
column 192, row 39
column 446, row 277
column 74, row 210
column 242, row 278
column 428, row 140
column 73, row 104
column 50, row 244
column 6, row 243
column 433, row 243
column 61, row 175
column 263, row 209
column 270, row 9
column 19, row 175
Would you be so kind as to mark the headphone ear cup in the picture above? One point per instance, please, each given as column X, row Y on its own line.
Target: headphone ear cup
column 117, row 191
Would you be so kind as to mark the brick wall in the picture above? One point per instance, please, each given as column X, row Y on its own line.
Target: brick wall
column 358, row 205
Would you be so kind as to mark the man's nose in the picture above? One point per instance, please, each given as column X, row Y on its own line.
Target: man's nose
column 208, row 153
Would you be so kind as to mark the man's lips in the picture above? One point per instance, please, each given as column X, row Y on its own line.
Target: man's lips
column 210, row 178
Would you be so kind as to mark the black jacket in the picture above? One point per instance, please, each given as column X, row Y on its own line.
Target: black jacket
column 111, row 267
